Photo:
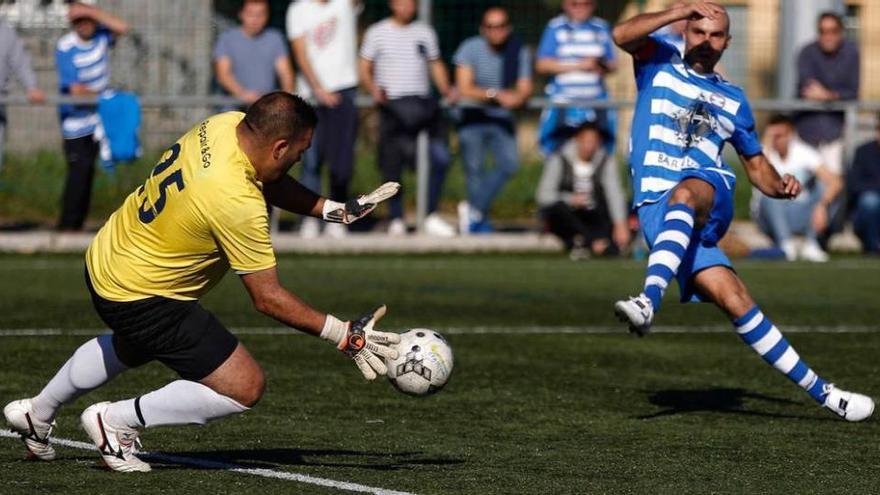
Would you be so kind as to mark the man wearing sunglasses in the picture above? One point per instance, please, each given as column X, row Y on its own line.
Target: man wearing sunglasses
column 494, row 72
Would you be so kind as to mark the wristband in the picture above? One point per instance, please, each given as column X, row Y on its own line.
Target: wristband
column 334, row 330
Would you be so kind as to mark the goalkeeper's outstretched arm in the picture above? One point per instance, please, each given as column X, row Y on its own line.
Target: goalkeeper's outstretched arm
column 357, row 339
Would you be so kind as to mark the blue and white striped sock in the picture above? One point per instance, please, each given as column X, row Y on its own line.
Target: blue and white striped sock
column 763, row 336
column 668, row 251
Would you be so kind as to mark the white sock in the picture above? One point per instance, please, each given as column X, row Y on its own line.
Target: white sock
column 92, row 365
column 179, row 403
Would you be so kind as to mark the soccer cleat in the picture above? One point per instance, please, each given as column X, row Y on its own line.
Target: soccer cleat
column 117, row 445
column 34, row 433
column 848, row 405
column 638, row 312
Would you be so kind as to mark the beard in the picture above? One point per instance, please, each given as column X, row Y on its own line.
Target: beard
column 703, row 55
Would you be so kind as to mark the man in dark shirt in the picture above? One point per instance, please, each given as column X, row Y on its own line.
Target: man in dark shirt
column 828, row 70
column 864, row 190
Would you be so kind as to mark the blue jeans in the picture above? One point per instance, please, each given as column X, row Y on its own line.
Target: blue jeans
column 333, row 142
column 484, row 184
column 867, row 220
column 781, row 219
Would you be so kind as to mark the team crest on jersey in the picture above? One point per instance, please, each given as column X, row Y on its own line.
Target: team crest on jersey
column 694, row 123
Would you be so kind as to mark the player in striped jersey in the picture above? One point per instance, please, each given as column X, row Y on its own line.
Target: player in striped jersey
column 684, row 115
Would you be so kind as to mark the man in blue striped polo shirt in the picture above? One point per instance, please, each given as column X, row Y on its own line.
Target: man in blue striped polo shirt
column 577, row 52
column 685, row 113
column 83, row 64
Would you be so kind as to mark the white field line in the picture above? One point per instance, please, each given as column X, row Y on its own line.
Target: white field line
column 208, row 464
column 483, row 330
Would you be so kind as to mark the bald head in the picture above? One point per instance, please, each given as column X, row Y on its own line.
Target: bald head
column 706, row 38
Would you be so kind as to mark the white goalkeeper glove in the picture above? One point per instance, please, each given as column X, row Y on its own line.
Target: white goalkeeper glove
column 357, row 340
column 355, row 209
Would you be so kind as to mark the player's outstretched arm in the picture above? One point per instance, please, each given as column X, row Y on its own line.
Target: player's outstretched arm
column 288, row 194
column 763, row 176
column 356, row 339
column 632, row 35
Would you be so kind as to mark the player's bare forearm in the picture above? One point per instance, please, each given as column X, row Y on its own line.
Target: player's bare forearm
column 763, row 176
column 288, row 194
column 632, row 34
column 273, row 300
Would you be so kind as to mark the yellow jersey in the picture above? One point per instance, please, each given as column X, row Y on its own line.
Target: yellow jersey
column 199, row 212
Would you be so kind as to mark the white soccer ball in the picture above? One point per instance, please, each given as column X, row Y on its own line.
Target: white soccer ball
column 423, row 364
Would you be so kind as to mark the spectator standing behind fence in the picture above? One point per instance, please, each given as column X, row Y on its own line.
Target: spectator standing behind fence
column 577, row 52
column 396, row 57
column 581, row 198
column 493, row 69
column 83, row 63
column 323, row 35
column 863, row 184
column 828, row 70
column 807, row 214
column 14, row 61
column 252, row 60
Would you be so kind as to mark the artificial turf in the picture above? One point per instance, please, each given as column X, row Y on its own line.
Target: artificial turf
column 535, row 405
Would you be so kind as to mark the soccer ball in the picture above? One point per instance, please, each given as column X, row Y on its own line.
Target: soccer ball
column 423, row 364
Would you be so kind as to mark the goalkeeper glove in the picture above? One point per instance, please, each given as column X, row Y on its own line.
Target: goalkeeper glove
column 356, row 209
column 357, row 340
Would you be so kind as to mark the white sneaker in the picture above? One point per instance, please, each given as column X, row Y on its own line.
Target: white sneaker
column 436, row 226
column 638, row 312
column 812, row 251
column 789, row 247
column 397, row 227
column 464, row 217
column 336, row 230
column 34, row 433
column 848, row 405
column 117, row 445
column 309, row 228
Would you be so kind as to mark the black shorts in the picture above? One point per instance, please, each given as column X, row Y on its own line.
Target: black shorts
column 179, row 334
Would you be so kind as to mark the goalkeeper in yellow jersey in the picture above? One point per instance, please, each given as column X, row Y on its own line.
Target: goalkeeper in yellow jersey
column 202, row 210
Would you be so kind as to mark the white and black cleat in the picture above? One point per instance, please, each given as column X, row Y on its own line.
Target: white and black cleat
column 848, row 405
column 117, row 445
column 638, row 312
column 34, row 433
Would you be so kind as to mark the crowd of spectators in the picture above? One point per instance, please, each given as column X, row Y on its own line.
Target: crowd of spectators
column 400, row 65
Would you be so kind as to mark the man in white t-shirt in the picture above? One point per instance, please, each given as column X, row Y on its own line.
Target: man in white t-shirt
column 323, row 38
column 806, row 215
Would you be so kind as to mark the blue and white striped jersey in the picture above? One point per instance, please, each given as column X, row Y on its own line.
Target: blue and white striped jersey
column 82, row 62
column 681, row 121
column 568, row 41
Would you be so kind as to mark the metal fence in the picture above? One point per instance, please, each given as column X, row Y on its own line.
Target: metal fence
column 859, row 118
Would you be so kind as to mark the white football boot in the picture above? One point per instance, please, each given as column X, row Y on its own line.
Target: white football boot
column 638, row 312
column 34, row 433
column 848, row 405
column 117, row 445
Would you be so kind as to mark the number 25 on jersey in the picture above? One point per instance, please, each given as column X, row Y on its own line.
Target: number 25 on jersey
column 148, row 212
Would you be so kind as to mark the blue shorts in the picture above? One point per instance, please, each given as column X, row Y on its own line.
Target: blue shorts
column 703, row 251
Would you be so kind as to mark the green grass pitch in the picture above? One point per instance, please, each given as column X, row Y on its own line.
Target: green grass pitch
column 534, row 405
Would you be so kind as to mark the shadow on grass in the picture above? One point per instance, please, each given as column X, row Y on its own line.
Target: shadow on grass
column 274, row 458
column 721, row 400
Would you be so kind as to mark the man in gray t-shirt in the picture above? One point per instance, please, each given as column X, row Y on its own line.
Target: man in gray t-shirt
column 14, row 61
column 252, row 60
column 493, row 72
